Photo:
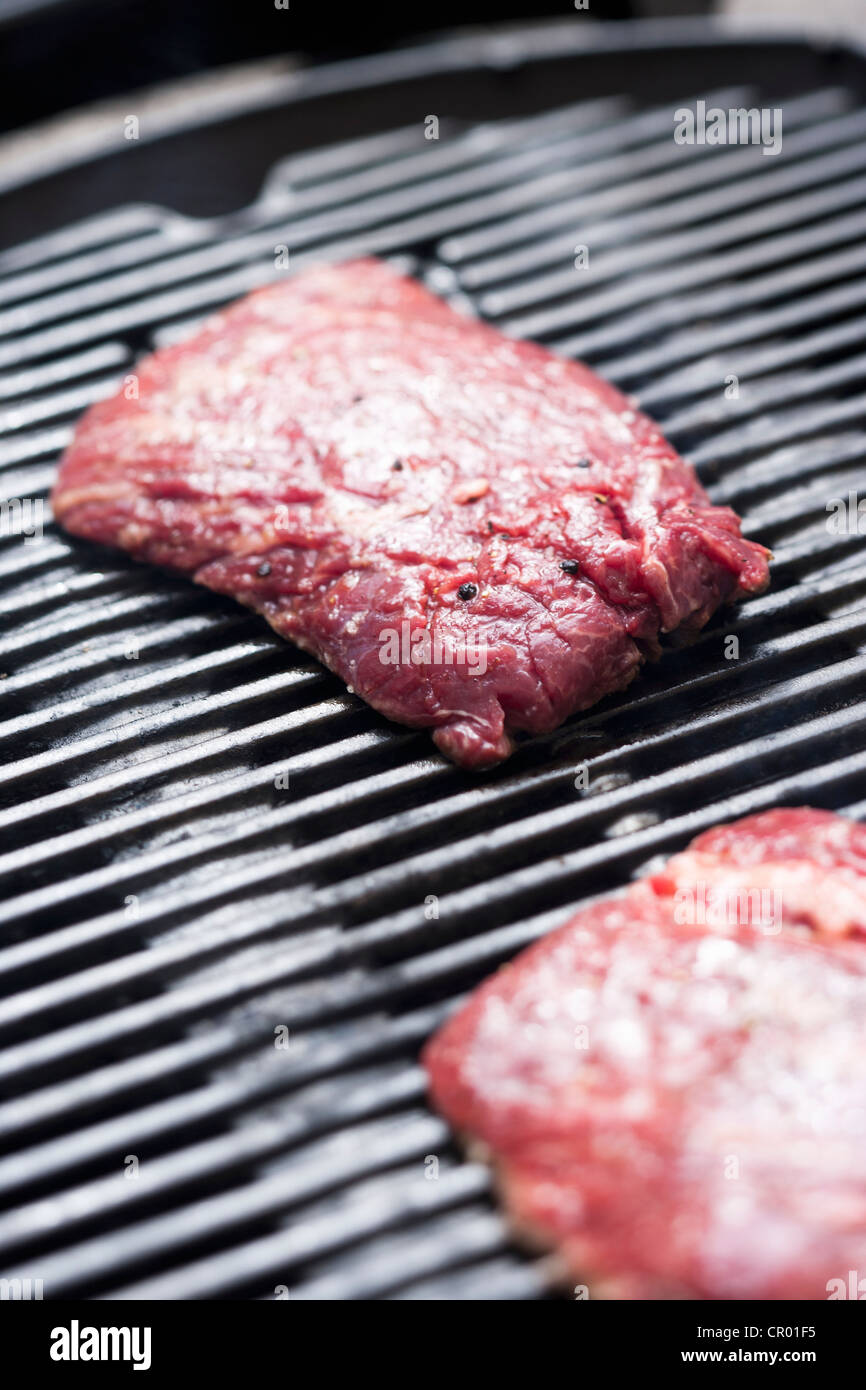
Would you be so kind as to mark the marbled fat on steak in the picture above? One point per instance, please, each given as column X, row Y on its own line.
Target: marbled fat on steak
column 681, row 1111
column 479, row 537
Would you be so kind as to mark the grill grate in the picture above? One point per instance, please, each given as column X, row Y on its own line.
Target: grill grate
column 166, row 907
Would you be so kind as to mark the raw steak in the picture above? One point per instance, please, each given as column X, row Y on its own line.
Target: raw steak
column 679, row 1112
column 784, row 869
column 477, row 536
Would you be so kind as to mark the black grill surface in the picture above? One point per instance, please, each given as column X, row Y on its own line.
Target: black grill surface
column 213, row 987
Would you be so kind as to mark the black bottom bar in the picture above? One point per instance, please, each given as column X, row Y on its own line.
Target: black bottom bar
column 237, row 1338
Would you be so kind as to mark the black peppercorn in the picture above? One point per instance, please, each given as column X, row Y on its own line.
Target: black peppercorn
column 570, row 566
column 264, row 569
column 467, row 591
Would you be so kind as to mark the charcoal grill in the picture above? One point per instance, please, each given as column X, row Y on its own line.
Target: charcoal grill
column 215, row 986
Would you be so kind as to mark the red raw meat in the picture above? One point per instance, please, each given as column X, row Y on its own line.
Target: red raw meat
column 478, row 536
column 782, row 869
column 680, row 1112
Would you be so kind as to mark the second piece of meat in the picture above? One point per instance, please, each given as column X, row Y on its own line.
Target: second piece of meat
column 680, row 1111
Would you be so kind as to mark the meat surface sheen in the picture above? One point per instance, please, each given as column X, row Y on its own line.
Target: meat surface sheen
column 477, row 536
column 680, row 1112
